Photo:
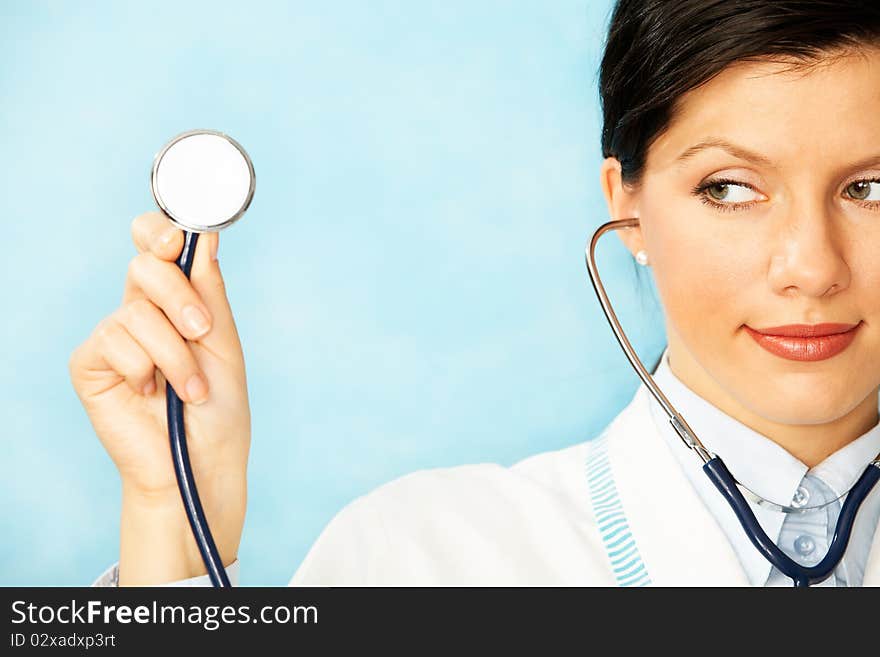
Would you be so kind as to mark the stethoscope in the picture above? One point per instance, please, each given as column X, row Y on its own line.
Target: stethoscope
column 203, row 180
column 733, row 491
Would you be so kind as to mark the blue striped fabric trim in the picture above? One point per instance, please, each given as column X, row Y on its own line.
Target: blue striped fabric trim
column 620, row 546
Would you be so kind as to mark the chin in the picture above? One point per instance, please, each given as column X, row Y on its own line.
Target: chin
column 807, row 402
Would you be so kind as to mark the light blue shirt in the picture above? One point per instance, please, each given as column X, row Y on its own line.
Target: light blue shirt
column 767, row 469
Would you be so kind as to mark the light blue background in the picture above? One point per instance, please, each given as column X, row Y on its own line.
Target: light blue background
column 408, row 284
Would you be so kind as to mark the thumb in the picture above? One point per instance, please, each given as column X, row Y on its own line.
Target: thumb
column 207, row 280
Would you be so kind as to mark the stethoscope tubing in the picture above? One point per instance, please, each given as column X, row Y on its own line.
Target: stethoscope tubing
column 800, row 575
column 180, row 456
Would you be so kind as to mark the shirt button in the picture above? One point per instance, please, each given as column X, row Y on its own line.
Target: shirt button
column 804, row 545
column 801, row 497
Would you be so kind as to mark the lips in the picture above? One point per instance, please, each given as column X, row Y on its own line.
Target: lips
column 805, row 342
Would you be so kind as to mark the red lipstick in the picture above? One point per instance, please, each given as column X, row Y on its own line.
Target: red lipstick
column 805, row 342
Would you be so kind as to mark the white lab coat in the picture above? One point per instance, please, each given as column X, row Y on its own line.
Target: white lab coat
column 618, row 510
column 568, row 517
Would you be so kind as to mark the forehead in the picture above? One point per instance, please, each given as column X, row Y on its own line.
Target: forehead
column 786, row 114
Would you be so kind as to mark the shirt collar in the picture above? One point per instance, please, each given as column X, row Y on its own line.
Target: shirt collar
column 842, row 468
column 749, row 455
column 755, row 461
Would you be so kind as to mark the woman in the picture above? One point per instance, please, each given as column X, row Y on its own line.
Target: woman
column 743, row 135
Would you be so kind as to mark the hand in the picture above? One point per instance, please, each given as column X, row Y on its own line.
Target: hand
column 120, row 373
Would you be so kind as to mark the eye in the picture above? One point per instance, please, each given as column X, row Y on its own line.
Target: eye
column 865, row 190
column 726, row 195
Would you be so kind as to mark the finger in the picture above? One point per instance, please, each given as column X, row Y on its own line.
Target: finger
column 166, row 348
column 153, row 232
column 165, row 284
column 207, row 279
column 120, row 352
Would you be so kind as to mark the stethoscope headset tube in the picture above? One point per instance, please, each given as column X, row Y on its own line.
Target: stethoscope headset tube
column 714, row 467
column 800, row 575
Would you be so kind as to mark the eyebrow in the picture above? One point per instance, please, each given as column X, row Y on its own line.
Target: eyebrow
column 746, row 154
column 733, row 149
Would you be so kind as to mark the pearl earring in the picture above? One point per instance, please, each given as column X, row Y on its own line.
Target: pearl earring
column 642, row 257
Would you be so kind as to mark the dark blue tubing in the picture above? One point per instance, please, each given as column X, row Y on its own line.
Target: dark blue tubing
column 800, row 575
column 179, row 454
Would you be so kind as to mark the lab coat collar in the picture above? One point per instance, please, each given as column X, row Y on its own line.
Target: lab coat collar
column 679, row 540
column 749, row 456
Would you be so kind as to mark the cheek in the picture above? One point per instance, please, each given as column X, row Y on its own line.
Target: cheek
column 703, row 283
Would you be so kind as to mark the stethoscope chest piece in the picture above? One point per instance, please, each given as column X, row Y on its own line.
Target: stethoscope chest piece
column 203, row 180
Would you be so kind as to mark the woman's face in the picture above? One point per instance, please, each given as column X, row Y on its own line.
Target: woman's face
column 791, row 238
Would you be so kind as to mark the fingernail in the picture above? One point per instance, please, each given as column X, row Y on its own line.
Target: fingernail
column 214, row 248
column 196, row 320
column 197, row 389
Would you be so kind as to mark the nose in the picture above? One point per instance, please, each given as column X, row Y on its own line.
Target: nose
column 809, row 258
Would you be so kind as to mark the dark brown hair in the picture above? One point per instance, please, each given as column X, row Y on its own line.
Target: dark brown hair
column 657, row 50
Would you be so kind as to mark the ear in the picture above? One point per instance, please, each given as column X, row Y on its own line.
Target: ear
column 622, row 203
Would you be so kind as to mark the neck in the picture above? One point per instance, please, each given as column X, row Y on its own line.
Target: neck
column 809, row 443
